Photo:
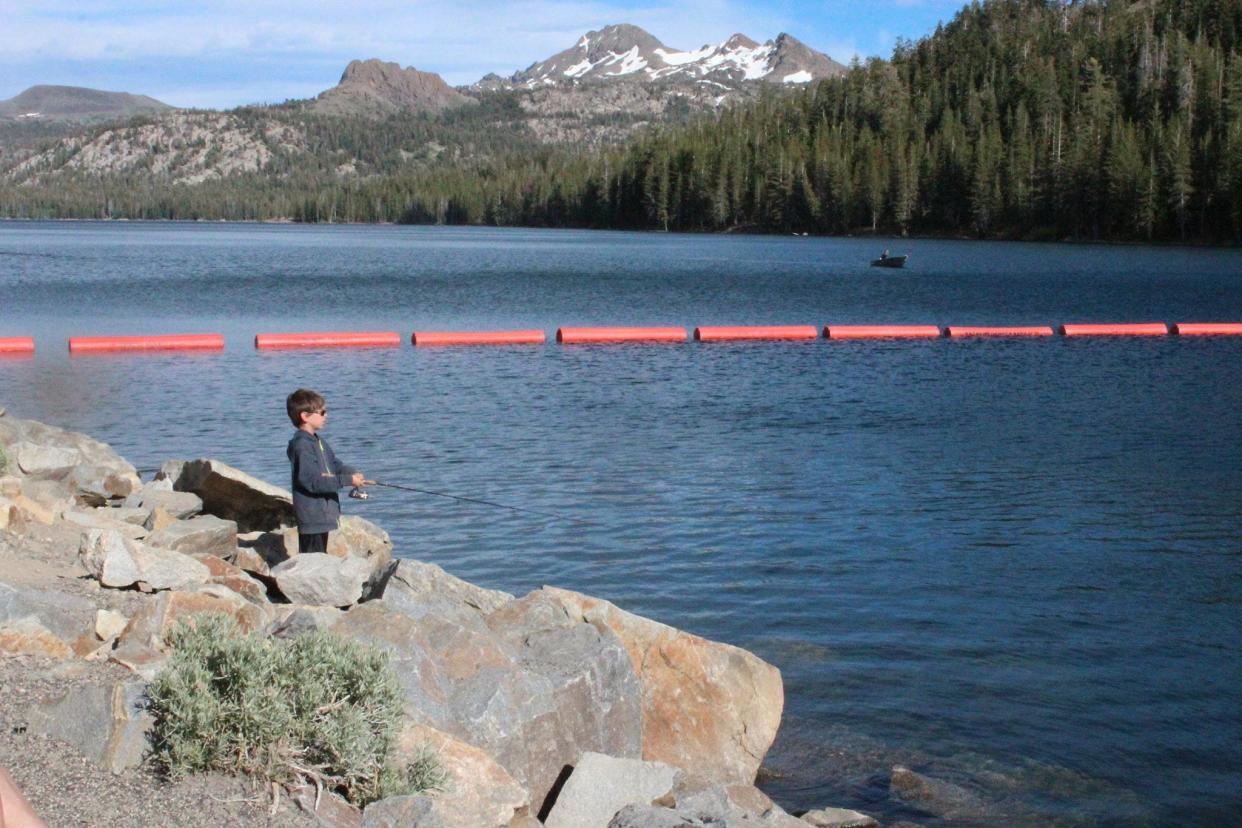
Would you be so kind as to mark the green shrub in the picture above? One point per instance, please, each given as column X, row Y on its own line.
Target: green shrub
column 4, row 460
column 315, row 708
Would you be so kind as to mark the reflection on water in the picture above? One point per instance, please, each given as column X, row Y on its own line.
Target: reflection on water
column 1009, row 565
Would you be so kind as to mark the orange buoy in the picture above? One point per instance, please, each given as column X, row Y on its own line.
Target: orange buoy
column 528, row 337
column 880, row 331
column 575, row 336
column 172, row 342
column 16, row 345
column 330, row 339
column 721, row 334
column 961, row 330
column 1207, row 328
column 1117, row 329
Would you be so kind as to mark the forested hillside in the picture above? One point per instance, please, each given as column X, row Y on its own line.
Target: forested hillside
column 1113, row 119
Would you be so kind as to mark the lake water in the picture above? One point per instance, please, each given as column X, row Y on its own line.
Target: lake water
column 1011, row 564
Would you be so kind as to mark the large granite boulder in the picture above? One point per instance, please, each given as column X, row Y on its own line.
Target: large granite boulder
column 117, row 561
column 231, row 494
column 45, row 452
column 28, row 637
column 102, row 519
column 416, row 588
column 533, row 689
column 479, row 794
column 600, row 786
column 712, row 709
column 94, row 485
column 201, row 535
column 64, row 614
column 322, row 580
column 110, row 724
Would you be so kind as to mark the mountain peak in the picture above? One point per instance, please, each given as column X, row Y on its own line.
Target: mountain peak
column 624, row 52
column 379, row 87
column 77, row 103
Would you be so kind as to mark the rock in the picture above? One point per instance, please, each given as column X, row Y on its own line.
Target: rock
column 10, row 486
column 654, row 816
column 525, row 821
column 202, row 535
column 144, row 662
column 235, row 578
column 100, row 519
column 838, row 818
column 109, row 624
column 150, row 626
column 322, row 580
column 108, row 723
column 92, row 485
column 68, row 616
column 592, row 685
column 26, row 636
column 179, row 505
column 600, row 786
column 32, row 511
column 232, row 494
column 534, row 709
column 45, row 461
column 138, row 516
column 416, row 588
column 117, row 561
column 480, row 793
column 401, row 812
column 356, row 537
column 291, row 620
column 943, row 799
column 730, row 803
column 710, row 708
column 328, row 809
column 248, row 558
column 10, row 515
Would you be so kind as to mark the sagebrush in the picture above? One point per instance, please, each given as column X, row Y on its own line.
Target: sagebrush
column 314, row 708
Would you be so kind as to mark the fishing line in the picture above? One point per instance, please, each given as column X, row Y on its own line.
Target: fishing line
column 475, row 500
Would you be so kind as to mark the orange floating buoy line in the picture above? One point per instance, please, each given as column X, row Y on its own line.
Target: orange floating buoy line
column 16, row 344
column 170, row 342
column 745, row 332
column 577, row 336
column 1208, row 328
column 329, row 339
column 526, row 337
column 966, row 330
column 881, row 331
column 1117, row 329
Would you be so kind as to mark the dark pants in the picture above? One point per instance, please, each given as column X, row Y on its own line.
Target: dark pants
column 312, row 543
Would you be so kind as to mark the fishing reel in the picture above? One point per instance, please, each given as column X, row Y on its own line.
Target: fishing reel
column 358, row 493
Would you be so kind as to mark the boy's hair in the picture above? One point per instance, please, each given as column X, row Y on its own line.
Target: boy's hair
column 303, row 401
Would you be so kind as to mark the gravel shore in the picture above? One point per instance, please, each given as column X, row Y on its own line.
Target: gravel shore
column 67, row 789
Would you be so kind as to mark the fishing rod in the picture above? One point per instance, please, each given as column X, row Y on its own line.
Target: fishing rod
column 359, row 493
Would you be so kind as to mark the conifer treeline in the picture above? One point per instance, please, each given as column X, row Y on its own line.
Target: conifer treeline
column 1117, row 119
column 1021, row 118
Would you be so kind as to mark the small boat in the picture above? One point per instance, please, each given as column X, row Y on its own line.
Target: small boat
column 889, row 261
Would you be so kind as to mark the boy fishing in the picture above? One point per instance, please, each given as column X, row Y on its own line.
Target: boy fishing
column 317, row 474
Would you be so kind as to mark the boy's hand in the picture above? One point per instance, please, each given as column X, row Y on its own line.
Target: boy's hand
column 358, row 479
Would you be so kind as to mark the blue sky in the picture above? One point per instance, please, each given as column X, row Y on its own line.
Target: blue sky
column 226, row 53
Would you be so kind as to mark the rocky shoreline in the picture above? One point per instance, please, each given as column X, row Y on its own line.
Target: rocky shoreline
column 554, row 708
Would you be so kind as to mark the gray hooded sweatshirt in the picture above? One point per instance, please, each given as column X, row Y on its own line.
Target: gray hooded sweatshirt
column 317, row 475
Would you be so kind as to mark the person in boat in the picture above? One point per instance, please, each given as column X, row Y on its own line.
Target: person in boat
column 884, row 255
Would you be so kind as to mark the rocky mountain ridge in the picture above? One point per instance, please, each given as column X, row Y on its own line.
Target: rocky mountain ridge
column 379, row 87
column 624, row 52
column 76, row 103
